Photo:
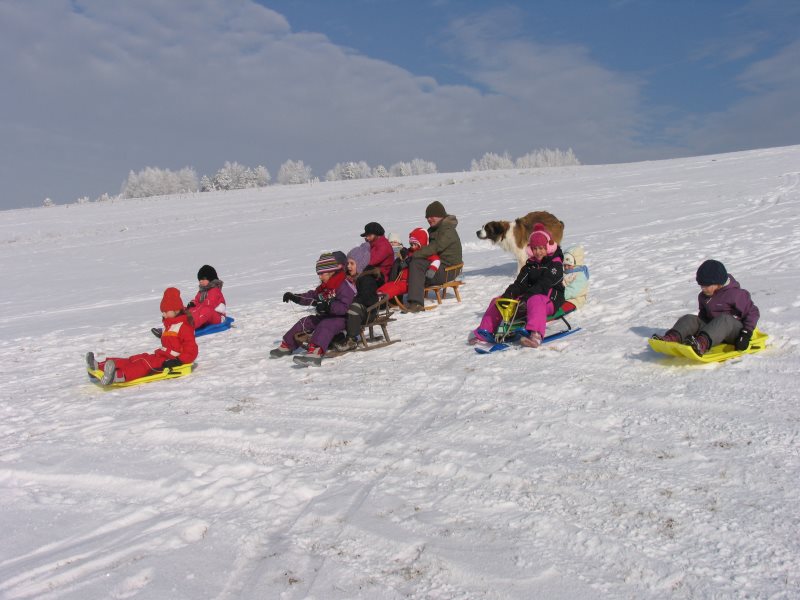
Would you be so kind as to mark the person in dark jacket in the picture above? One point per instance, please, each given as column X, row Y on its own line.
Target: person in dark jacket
column 367, row 279
column 443, row 240
column 538, row 287
column 726, row 313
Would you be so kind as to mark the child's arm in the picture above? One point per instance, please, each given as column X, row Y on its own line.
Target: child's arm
column 575, row 286
column 748, row 310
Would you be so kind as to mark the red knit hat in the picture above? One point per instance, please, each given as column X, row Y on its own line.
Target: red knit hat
column 418, row 236
column 172, row 300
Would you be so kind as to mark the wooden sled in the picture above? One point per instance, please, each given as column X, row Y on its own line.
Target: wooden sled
column 379, row 316
column 451, row 281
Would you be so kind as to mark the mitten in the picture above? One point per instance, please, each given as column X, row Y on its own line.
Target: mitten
column 191, row 304
column 743, row 341
column 323, row 307
column 171, row 363
column 430, row 273
column 289, row 296
column 404, row 253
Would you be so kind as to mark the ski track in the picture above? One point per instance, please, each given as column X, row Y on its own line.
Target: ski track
column 589, row 468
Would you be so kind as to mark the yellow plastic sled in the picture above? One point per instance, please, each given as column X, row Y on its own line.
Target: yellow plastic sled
column 173, row 373
column 718, row 353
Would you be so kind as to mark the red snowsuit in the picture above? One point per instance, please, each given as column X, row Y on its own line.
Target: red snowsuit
column 381, row 255
column 399, row 286
column 177, row 341
column 207, row 305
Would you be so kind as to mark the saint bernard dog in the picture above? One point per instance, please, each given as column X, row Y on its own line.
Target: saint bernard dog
column 513, row 236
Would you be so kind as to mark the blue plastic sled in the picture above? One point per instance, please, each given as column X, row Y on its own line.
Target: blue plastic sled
column 209, row 329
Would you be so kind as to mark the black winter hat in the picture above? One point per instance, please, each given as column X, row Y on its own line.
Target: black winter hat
column 340, row 257
column 207, row 272
column 373, row 228
column 712, row 272
column 435, row 209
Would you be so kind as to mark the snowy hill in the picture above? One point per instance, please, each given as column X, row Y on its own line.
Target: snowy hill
column 588, row 468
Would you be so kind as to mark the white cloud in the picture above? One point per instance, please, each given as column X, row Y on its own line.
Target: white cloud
column 99, row 87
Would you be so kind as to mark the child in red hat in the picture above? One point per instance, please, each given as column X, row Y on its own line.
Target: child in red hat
column 208, row 306
column 417, row 239
column 178, row 346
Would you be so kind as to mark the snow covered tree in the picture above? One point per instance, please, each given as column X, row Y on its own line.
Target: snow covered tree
column 83, row 200
column 491, row 161
column 47, row 202
column 348, row 170
column 293, row 172
column 545, row 157
column 400, row 169
column 380, row 171
column 423, row 167
column 233, row 176
column 152, row 181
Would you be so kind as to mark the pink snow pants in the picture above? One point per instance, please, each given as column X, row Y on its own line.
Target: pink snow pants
column 538, row 307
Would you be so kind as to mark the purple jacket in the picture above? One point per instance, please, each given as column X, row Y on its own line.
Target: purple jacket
column 729, row 300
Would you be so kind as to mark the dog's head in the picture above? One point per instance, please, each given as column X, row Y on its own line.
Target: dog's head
column 493, row 231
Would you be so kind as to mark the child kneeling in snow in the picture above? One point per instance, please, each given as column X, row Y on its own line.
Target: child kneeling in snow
column 208, row 306
column 331, row 298
column 538, row 286
column 726, row 313
column 178, row 346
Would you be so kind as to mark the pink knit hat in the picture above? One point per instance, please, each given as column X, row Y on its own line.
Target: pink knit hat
column 542, row 238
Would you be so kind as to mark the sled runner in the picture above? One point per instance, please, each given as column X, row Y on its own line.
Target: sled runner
column 718, row 353
column 379, row 316
column 173, row 373
column 513, row 324
column 226, row 324
column 451, row 282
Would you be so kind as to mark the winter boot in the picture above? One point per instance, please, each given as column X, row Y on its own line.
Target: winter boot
column 480, row 335
column 91, row 363
column 671, row 335
column 280, row 351
column 109, row 373
column 700, row 343
column 533, row 340
column 312, row 357
column 157, row 331
column 350, row 343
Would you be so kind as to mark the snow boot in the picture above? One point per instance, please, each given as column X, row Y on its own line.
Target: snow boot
column 312, row 357
column 700, row 343
column 109, row 373
column 157, row 331
column 670, row 336
column 346, row 345
column 280, row 351
column 532, row 340
column 91, row 363
column 480, row 335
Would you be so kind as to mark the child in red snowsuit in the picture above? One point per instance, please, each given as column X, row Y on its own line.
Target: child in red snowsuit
column 178, row 346
column 416, row 240
column 208, row 306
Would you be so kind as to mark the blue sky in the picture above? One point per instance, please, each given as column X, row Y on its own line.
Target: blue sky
column 96, row 88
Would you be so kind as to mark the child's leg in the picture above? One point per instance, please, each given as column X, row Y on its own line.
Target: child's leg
column 304, row 325
column 394, row 288
column 724, row 328
column 205, row 315
column 688, row 325
column 538, row 307
column 136, row 366
column 491, row 318
column 326, row 329
column 356, row 315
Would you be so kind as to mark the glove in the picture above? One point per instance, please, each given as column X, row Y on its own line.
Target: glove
column 289, row 296
column 323, row 307
column 171, row 363
column 430, row 273
column 191, row 304
column 404, row 253
column 743, row 341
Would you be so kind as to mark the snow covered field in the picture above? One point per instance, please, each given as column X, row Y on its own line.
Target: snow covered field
column 589, row 468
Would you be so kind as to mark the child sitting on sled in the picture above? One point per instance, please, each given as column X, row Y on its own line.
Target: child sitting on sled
column 538, row 287
column 367, row 279
column 726, row 313
column 331, row 298
column 178, row 346
column 208, row 306
column 399, row 286
column 576, row 277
